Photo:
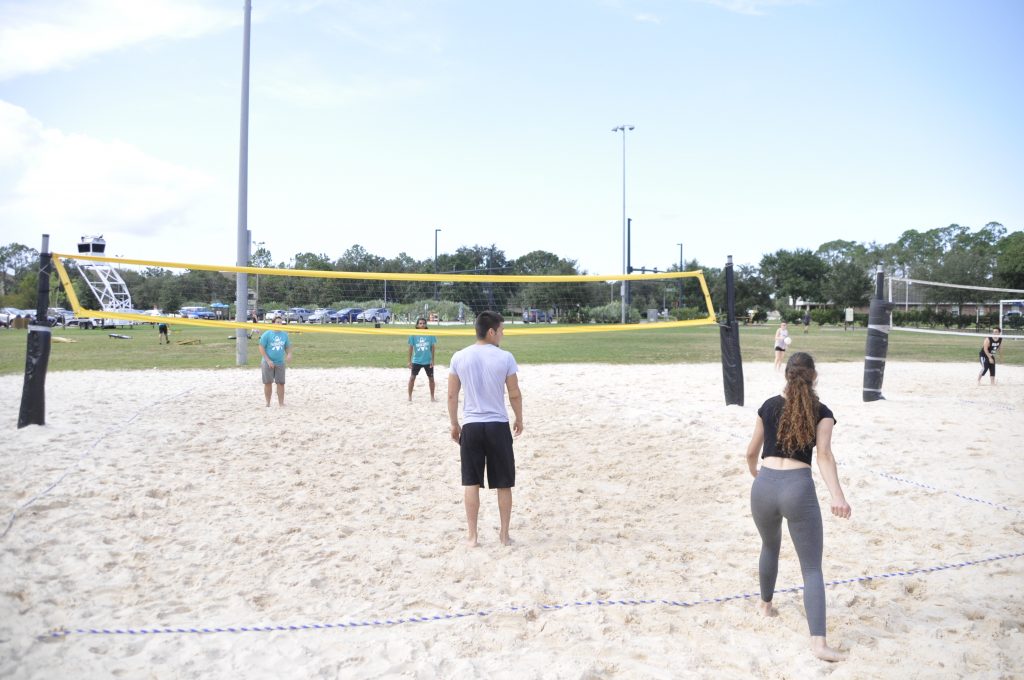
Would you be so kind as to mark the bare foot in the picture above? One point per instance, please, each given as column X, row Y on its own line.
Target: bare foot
column 821, row 650
column 471, row 541
column 766, row 609
column 505, row 540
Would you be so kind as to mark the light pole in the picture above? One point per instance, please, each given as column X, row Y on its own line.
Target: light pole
column 436, row 232
column 680, row 269
column 256, row 303
column 625, row 284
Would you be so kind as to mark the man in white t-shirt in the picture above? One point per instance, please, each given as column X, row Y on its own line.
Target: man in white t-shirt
column 485, row 439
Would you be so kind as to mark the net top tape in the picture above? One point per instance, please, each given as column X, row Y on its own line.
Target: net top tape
column 389, row 276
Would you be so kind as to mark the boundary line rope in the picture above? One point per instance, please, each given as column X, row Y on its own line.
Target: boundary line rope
column 513, row 608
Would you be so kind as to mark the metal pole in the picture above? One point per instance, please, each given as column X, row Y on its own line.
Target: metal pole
column 242, row 280
column 906, row 296
column 625, row 261
column 435, row 262
column 680, row 269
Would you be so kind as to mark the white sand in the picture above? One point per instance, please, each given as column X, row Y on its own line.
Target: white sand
column 188, row 504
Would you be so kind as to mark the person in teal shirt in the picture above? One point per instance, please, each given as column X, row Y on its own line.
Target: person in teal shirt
column 276, row 349
column 421, row 356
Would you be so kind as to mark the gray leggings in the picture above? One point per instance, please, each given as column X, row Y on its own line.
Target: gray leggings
column 790, row 494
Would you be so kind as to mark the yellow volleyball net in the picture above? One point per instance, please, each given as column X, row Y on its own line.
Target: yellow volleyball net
column 326, row 300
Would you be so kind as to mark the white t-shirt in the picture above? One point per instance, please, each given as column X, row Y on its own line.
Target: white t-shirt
column 482, row 370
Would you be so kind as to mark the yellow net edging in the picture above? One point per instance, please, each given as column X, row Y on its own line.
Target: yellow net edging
column 352, row 329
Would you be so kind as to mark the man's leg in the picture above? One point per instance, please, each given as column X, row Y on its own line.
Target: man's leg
column 280, row 394
column 430, row 379
column 505, row 513
column 267, row 388
column 471, row 496
column 412, row 381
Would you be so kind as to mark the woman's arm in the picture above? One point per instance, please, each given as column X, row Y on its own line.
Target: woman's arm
column 754, row 447
column 827, row 466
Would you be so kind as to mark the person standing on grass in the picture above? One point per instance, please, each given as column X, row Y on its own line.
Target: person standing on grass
column 276, row 349
column 807, row 320
column 162, row 330
column 485, row 439
column 987, row 355
column 422, row 350
column 780, row 344
column 787, row 431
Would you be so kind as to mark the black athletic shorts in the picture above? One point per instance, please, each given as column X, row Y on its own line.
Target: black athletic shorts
column 426, row 367
column 986, row 365
column 487, row 445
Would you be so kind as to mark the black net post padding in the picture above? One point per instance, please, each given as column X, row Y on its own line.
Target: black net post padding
column 877, row 344
column 729, row 337
column 37, row 353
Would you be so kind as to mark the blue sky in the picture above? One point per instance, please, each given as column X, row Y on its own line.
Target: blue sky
column 760, row 124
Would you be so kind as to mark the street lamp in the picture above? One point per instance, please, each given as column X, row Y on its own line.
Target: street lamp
column 680, row 269
column 625, row 284
column 436, row 231
column 256, row 303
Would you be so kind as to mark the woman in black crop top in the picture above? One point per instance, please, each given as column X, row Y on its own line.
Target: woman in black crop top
column 788, row 429
column 987, row 355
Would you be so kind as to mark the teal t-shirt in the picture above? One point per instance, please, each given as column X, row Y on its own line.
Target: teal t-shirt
column 275, row 344
column 421, row 345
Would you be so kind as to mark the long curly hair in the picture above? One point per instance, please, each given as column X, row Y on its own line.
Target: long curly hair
column 799, row 421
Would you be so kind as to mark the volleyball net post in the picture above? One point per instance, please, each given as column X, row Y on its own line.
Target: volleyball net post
column 37, row 351
column 729, row 338
column 877, row 343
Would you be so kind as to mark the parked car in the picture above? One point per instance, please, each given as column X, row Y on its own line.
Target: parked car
column 272, row 315
column 1013, row 319
column 197, row 313
column 58, row 316
column 13, row 313
column 536, row 316
column 321, row 315
column 298, row 314
column 375, row 315
column 346, row 315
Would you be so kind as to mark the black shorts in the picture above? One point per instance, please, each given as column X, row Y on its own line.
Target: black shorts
column 427, row 367
column 487, row 445
column 986, row 365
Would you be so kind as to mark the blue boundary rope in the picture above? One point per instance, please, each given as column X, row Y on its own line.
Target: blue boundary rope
column 488, row 612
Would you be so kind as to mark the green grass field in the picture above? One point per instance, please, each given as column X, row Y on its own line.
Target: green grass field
column 95, row 349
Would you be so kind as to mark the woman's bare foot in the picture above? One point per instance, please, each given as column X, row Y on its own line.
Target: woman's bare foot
column 823, row 651
column 471, row 541
column 766, row 609
column 505, row 540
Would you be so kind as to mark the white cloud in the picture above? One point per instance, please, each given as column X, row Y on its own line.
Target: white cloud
column 41, row 36
column 753, row 7
column 646, row 18
column 53, row 180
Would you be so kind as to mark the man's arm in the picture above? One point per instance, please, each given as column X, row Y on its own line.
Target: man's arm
column 265, row 357
column 408, row 359
column 515, row 397
column 433, row 352
column 987, row 349
column 288, row 348
column 454, row 385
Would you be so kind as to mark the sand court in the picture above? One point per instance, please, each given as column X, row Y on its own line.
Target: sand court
column 179, row 501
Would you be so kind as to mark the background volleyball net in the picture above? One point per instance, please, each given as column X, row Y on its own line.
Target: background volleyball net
column 955, row 309
column 531, row 304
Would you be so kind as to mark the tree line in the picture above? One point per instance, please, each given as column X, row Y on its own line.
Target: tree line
column 835, row 275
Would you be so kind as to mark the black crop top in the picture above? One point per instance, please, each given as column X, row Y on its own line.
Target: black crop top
column 771, row 413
